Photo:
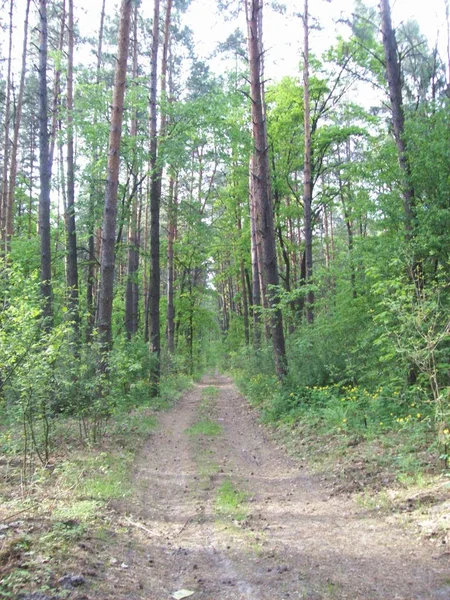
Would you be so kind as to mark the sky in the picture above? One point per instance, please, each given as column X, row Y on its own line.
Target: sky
column 282, row 34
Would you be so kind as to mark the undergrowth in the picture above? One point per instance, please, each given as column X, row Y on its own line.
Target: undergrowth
column 386, row 425
column 52, row 512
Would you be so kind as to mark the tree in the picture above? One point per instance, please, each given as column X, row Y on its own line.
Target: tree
column 265, row 233
column 44, row 172
column 72, row 263
column 155, row 203
column 15, row 143
column 107, row 259
column 307, row 170
column 394, row 80
column 132, row 291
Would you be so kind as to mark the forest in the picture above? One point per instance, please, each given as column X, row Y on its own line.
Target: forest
column 162, row 217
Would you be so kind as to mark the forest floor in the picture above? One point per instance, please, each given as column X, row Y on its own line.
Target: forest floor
column 218, row 508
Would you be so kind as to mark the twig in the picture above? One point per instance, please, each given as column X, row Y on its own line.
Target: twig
column 140, row 526
column 186, row 523
column 33, row 506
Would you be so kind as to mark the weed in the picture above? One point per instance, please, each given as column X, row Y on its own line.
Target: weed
column 206, row 427
column 230, row 501
column 82, row 510
column 210, row 392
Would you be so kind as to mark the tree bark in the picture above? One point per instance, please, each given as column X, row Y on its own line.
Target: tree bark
column 155, row 202
column 265, row 233
column 132, row 291
column 57, row 88
column 307, row 169
column 4, row 198
column 15, row 144
column 92, row 261
column 44, row 173
column 107, row 260
column 72, row 264
column 172, row 235
column 394, row 79
column 256, row 286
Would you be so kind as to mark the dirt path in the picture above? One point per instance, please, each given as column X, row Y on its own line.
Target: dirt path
column 221, row 511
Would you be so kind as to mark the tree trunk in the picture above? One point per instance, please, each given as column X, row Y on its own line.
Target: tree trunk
column 72, row 264
column 394, row 79
column 256, row 286
column 44, row 173
column 107, row 260
column 15, row 144
column 265, row 233
column 4, row 198
column 57, row 88
column 132, row 292
column 155, row 202
column 307, row 169
column 172, row 234
column 92, row 261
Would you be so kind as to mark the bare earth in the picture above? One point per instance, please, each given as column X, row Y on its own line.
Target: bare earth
column 290, row 539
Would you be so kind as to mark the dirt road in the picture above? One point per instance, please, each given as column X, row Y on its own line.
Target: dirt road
column 221, row 511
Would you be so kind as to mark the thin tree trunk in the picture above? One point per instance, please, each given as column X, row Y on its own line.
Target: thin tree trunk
column 132, row 291
column 394, row 79
column 265, row 233
column 57, row 88
column 172, row 234
column 107, row 261
column 4, row 199
column 307, row 169
column 15, row 144
column 44, row 173
column 92, row 262
column 72, row 264
column 256, row 286
column 155, row 202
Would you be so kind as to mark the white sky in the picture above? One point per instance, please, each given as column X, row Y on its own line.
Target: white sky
column 282, row 34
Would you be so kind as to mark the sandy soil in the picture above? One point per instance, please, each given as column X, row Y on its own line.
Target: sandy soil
column 290, row 539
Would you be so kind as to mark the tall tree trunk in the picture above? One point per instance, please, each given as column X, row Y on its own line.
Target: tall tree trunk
column 265, row 232
column 155, row 202
column 15, row 144
column 132, row 291
column 394, row 79
column 107, row 261
column 57, row 87
column 256, row 286
column 44, row 173
column 243, row 286
column 4, row 198
column 307, row 169
column 172, row 234
column 72, row 263
column 92, row 261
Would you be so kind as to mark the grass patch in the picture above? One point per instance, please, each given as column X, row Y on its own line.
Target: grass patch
column 210, row 392
column 205, row 427
column 230, row 502
column 62, row 508
column 81, row 510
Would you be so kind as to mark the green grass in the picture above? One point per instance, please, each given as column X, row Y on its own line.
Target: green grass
column 79, row 510
column 230, row 502
column 210, row 392
column 205, row 427
column 100, row 477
